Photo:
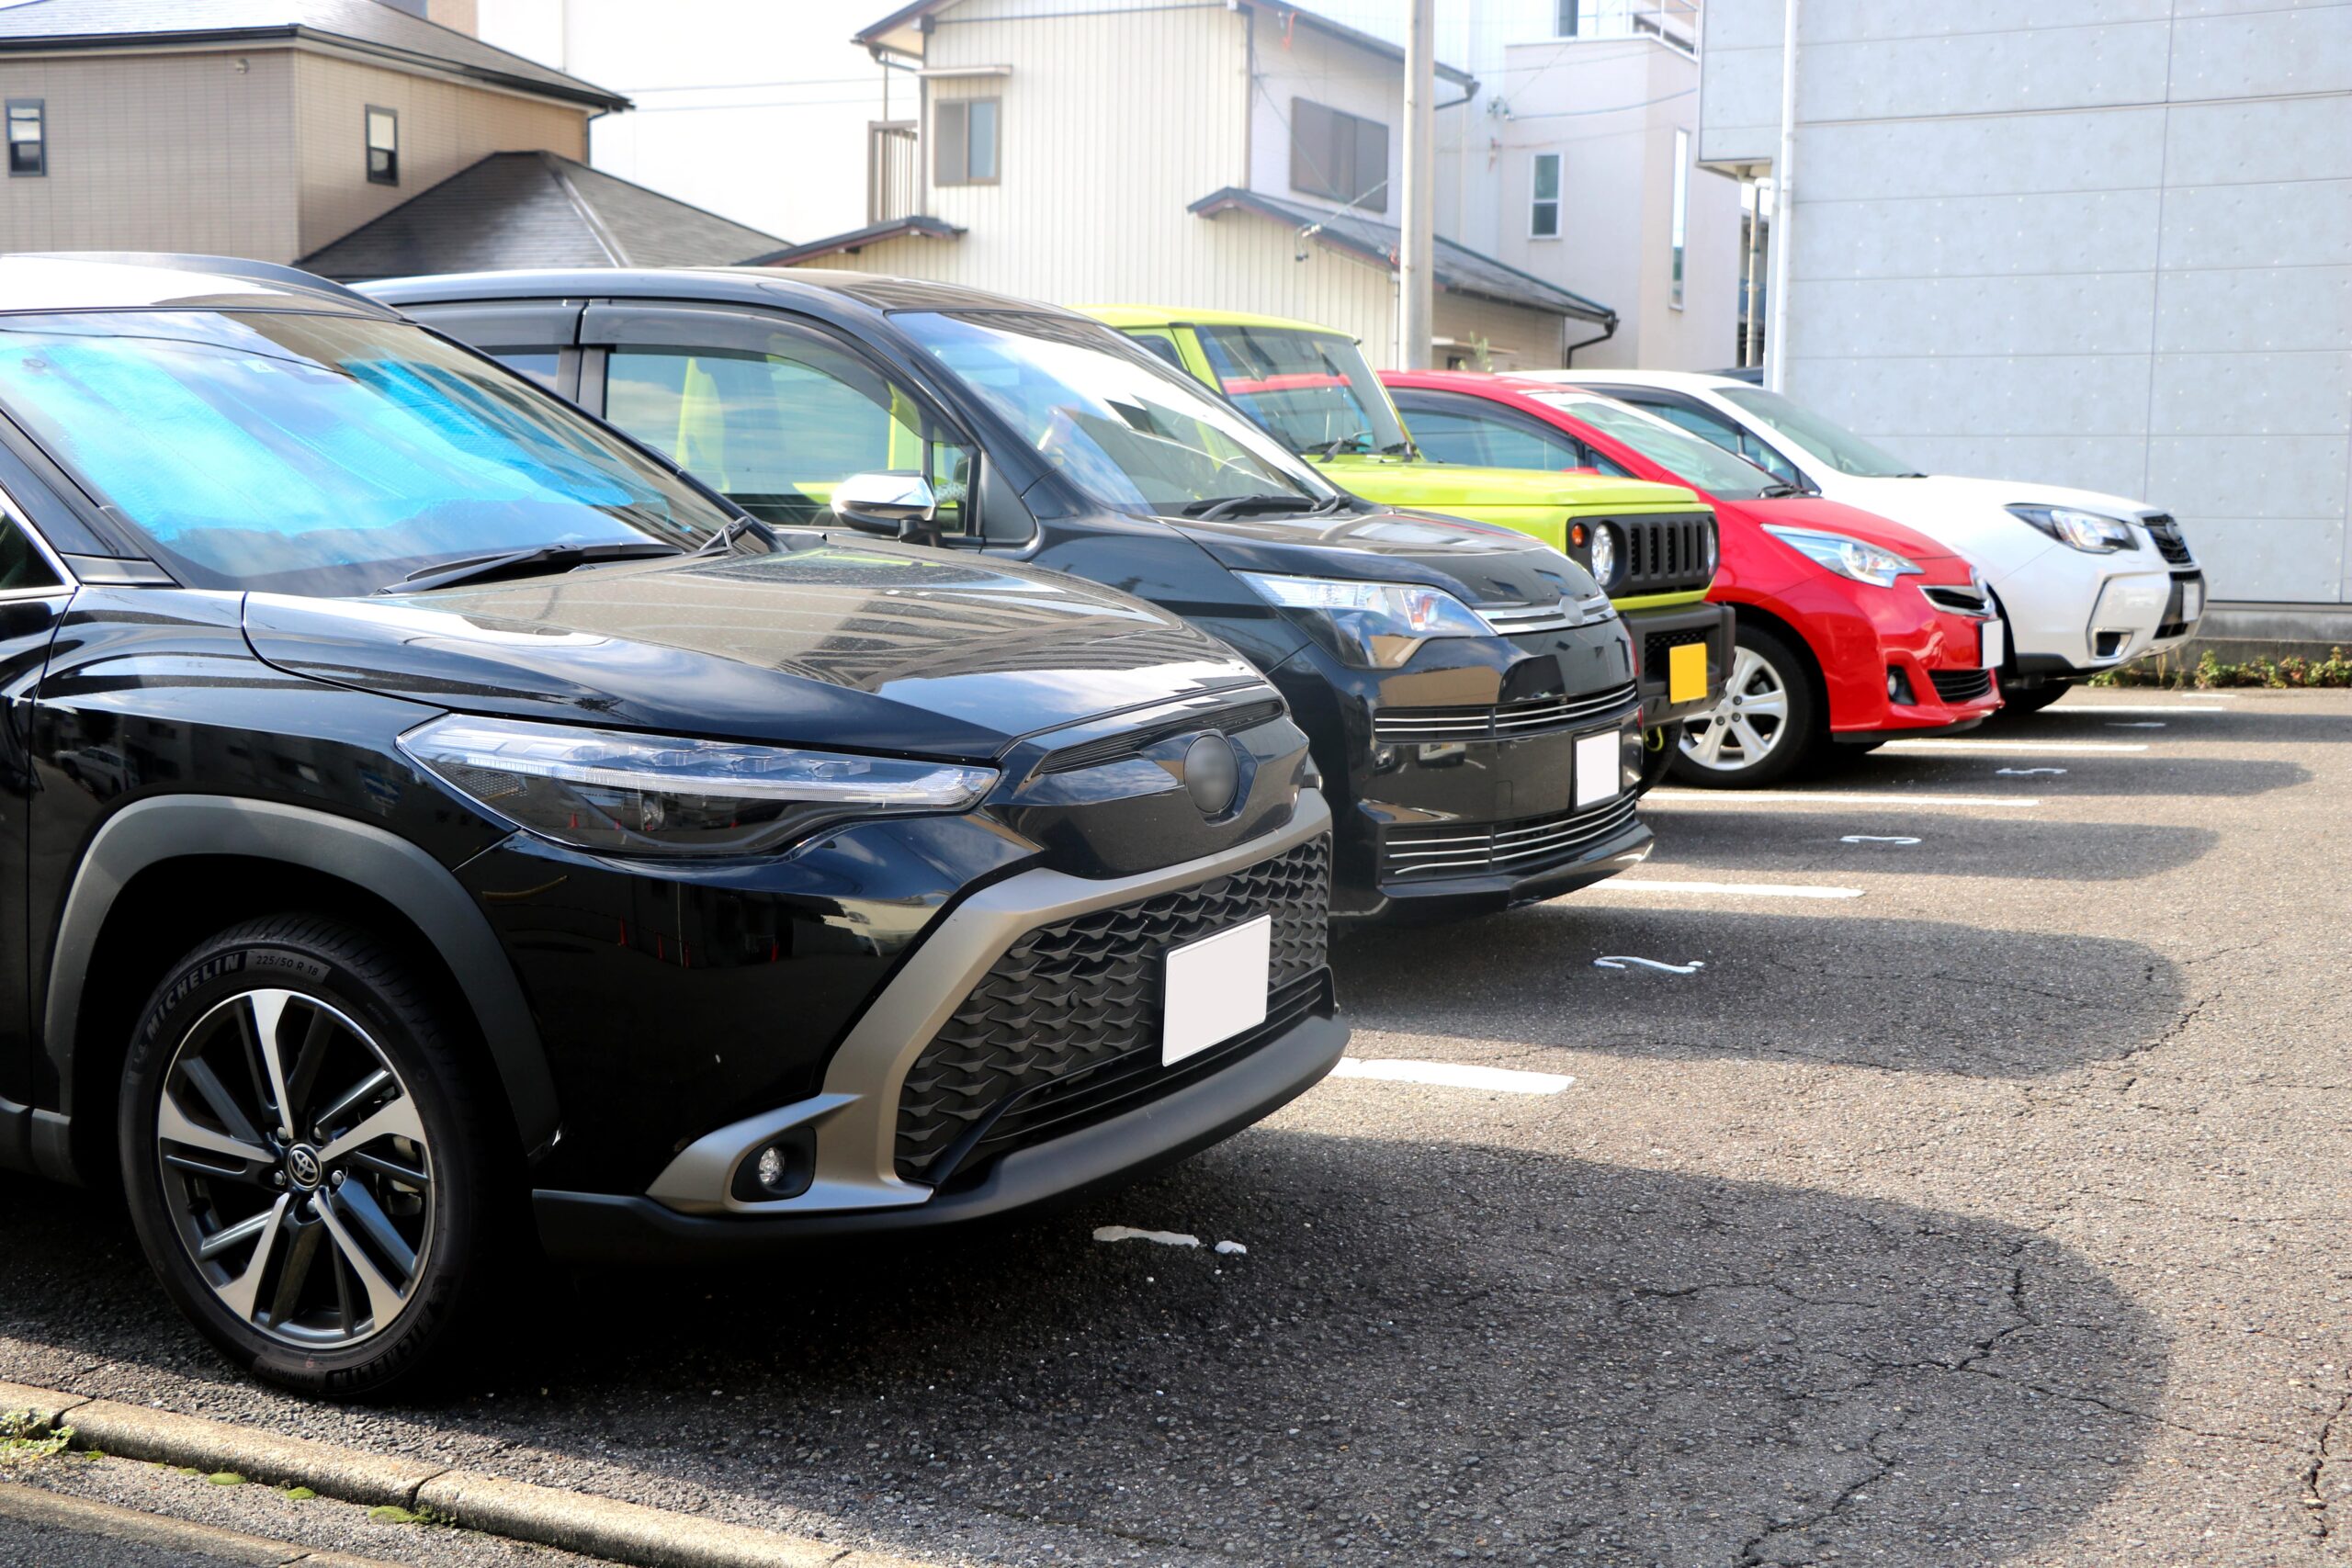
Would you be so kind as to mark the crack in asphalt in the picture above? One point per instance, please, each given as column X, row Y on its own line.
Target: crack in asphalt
column 2324, row 1452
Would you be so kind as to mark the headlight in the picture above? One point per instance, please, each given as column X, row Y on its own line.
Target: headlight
column 2092, row 531
column 1846, row 556
column 1604, row 554
column 1375, row 625
column 605, row 789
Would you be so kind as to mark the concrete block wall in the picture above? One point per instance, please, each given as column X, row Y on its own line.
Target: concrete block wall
column 2101, row 242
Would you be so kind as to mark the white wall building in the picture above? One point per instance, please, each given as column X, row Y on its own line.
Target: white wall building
column 1238, row 156
column 1579, row 162
column 2103, row 242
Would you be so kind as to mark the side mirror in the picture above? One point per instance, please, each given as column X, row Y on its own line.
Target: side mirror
column 902, row 505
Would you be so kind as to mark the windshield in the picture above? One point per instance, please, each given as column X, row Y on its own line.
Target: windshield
column 1313, row 392
column 1834, row 445
column 1701, row 465
column 1126, row 431
column 325, row 454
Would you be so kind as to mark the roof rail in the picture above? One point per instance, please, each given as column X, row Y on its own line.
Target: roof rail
column 292, row 278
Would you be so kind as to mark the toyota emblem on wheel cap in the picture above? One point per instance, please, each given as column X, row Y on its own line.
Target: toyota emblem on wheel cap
column 1211, row 773
column 302, row 1166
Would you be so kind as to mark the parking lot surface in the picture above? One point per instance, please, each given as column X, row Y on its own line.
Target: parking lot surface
column 1980, row 1198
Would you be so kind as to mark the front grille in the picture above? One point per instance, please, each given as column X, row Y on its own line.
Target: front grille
column 1129, row 743
column 1532, row 844
column 1512, row 620
column 1065, row 1027
column 1508, row 721
column 1665, row 555
column 2168, row 540
column 2175, row 621
column 1958, row 601
column 1961, row 685
column 1655, row 647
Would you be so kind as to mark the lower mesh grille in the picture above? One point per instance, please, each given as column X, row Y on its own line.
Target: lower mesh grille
column 1065, row 1027
column 1655, row 647
column 1961, row 685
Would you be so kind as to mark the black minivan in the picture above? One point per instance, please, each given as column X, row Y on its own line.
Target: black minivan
column 428, row 816
column 1469, row 692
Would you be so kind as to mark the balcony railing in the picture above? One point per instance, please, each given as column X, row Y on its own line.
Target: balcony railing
column 1674, row 23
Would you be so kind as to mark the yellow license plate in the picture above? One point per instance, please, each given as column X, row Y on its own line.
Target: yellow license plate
column 1686, row 672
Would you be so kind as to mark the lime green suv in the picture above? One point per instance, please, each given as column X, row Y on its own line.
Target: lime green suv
column 1311, row 387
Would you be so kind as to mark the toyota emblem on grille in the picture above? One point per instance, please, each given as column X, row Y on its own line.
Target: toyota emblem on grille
column 1211, row 773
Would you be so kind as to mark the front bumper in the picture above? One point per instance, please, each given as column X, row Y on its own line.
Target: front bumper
column 1656, row 633
column 849, row 1131
column 1453, row 779
column 1892, row 662
column 2072, row 615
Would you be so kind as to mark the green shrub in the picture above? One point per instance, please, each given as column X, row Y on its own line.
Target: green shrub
column 2209, row 673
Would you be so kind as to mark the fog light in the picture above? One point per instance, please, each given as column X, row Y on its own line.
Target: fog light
column 1898, row 686
column 783, row 1168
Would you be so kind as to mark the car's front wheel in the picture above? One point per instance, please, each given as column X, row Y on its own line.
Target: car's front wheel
column 307, row 1163
column 1766, row 727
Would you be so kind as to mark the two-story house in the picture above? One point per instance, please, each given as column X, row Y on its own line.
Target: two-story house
column 286, row 129
column 1232, row 155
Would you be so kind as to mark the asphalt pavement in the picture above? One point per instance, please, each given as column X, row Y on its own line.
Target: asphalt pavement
column 1976, row 1199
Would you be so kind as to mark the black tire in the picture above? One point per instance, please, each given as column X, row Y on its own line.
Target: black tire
column 368, row 1012
column 1797, row 738
column 2016, row 700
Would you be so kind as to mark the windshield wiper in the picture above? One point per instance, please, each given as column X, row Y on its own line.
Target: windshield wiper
column 526, row 563
column 1774, row 492
column 1233, row 505
column 1331, row 448
column 1400, row 449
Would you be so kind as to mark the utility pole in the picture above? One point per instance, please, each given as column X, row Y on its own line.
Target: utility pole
column 1415, row 268
column 1784, row 204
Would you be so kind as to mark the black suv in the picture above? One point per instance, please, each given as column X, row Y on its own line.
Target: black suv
column 427, row 808
column 1469, row 692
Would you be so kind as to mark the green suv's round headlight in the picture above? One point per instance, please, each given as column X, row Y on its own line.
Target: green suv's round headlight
column 1604, row 554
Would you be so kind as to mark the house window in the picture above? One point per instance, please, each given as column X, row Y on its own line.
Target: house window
column 1682, row 210
column 383, row 146
column 1339, row 155
column 967, row 141
column 1576, row 18
column 28, row 137
column 1544, row 207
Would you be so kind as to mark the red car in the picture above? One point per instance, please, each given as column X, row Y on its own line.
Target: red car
column 1851, row 627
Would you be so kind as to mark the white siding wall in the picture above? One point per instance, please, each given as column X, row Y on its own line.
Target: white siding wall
column 1313, row 65
column 1111, row 126
column 1617, row 195
column 2084, row 242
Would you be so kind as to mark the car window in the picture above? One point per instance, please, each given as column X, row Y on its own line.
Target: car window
column 1734, row 438
column 306, row 453
column 22, row 565
column 1121, row 427
column 775, row 431
column 539, row 367
column 1314, row 391
column 1832, row 443
column 1497, row 441
column 1701, row 465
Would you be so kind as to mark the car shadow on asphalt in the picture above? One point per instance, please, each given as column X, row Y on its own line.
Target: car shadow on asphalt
column 2086, row 773
column 1430, row 1349
column 1985, row 844
column 1796, row 985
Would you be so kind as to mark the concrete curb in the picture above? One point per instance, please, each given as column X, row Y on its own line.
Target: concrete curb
column 627, row 1533
column 85, row 1517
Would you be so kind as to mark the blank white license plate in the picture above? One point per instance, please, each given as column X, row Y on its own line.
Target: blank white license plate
column 1216, row 989
column 1992, row 641
column 1596, row 768
column 2192, row 600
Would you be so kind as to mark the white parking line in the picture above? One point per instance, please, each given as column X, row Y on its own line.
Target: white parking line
column 1808, row 797
column 1727, row 889
column 2013, row 748
column 1451, row 1075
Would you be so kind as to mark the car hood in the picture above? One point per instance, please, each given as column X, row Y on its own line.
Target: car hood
column 1399, row 481
column 870, row 648
column 2001, row 494
column 1839, row 517
column 1475, row 562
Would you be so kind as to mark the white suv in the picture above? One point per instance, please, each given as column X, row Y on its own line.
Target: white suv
column 2085, row 582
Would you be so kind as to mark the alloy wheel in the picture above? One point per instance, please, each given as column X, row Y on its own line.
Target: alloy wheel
column 1741, row 730
column 296, row 1168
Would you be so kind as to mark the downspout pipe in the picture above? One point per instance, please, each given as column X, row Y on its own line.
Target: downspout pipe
column 1608, row 330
